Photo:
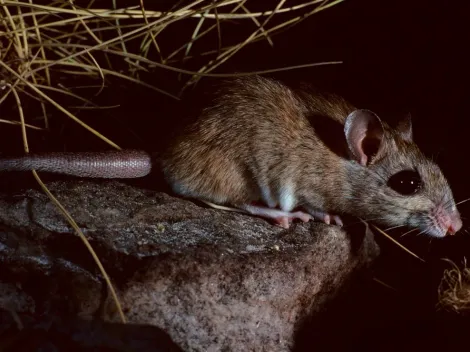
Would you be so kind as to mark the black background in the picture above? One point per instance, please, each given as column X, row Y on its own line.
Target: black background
column 399, row 57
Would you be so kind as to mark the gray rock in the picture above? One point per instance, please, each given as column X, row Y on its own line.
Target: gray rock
column 213, row 280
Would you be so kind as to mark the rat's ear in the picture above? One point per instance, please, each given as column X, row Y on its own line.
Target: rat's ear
column 365, row 135
column 405, row 129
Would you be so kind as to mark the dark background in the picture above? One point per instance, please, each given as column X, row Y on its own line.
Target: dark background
column 399, row 57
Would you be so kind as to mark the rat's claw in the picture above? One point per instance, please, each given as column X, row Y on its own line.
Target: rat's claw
column 283, row 222
column 301, row 216
column 325, row 217
column 338, row 220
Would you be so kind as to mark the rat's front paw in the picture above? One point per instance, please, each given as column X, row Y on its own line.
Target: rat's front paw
column 325, row 217
column 285, row 220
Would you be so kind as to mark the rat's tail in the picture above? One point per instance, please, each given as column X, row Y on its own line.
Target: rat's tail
column 109, row 164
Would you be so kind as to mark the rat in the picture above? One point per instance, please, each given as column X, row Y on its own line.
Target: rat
column 280, row 153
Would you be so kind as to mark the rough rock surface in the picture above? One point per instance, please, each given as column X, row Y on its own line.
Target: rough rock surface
column 213, row 280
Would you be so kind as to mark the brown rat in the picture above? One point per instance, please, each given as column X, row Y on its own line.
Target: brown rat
column 282, row 154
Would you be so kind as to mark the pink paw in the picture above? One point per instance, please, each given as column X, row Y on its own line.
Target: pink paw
column 285, row 221
column 325, row 217
column 338, row 220
column 301, row 216
column 279, row 217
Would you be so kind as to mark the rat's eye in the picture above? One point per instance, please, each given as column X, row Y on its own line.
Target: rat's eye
column 405, row 182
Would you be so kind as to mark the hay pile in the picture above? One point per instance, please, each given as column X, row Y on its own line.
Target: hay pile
column 454, row 290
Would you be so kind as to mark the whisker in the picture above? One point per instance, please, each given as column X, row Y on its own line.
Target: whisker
column 462, row 201
column 421, row 232
column 394, row 227
column 408, row 232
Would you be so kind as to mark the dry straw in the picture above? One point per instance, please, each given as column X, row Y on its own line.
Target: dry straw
column 42, row 41
column 454, row 290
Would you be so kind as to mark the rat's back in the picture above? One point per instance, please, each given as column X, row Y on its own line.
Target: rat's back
column 246, row 143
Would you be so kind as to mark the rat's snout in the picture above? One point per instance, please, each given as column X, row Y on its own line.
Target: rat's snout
column 446, row 221
column 451, row 222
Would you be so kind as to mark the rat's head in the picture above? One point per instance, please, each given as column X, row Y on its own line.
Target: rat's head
column 402, row 187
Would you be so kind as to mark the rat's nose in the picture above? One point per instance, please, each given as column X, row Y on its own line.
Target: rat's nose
column 453, row 223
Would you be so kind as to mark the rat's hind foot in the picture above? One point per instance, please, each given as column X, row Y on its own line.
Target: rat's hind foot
column 280, row 217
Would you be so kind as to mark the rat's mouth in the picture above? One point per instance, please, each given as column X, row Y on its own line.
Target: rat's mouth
column 441, row 222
